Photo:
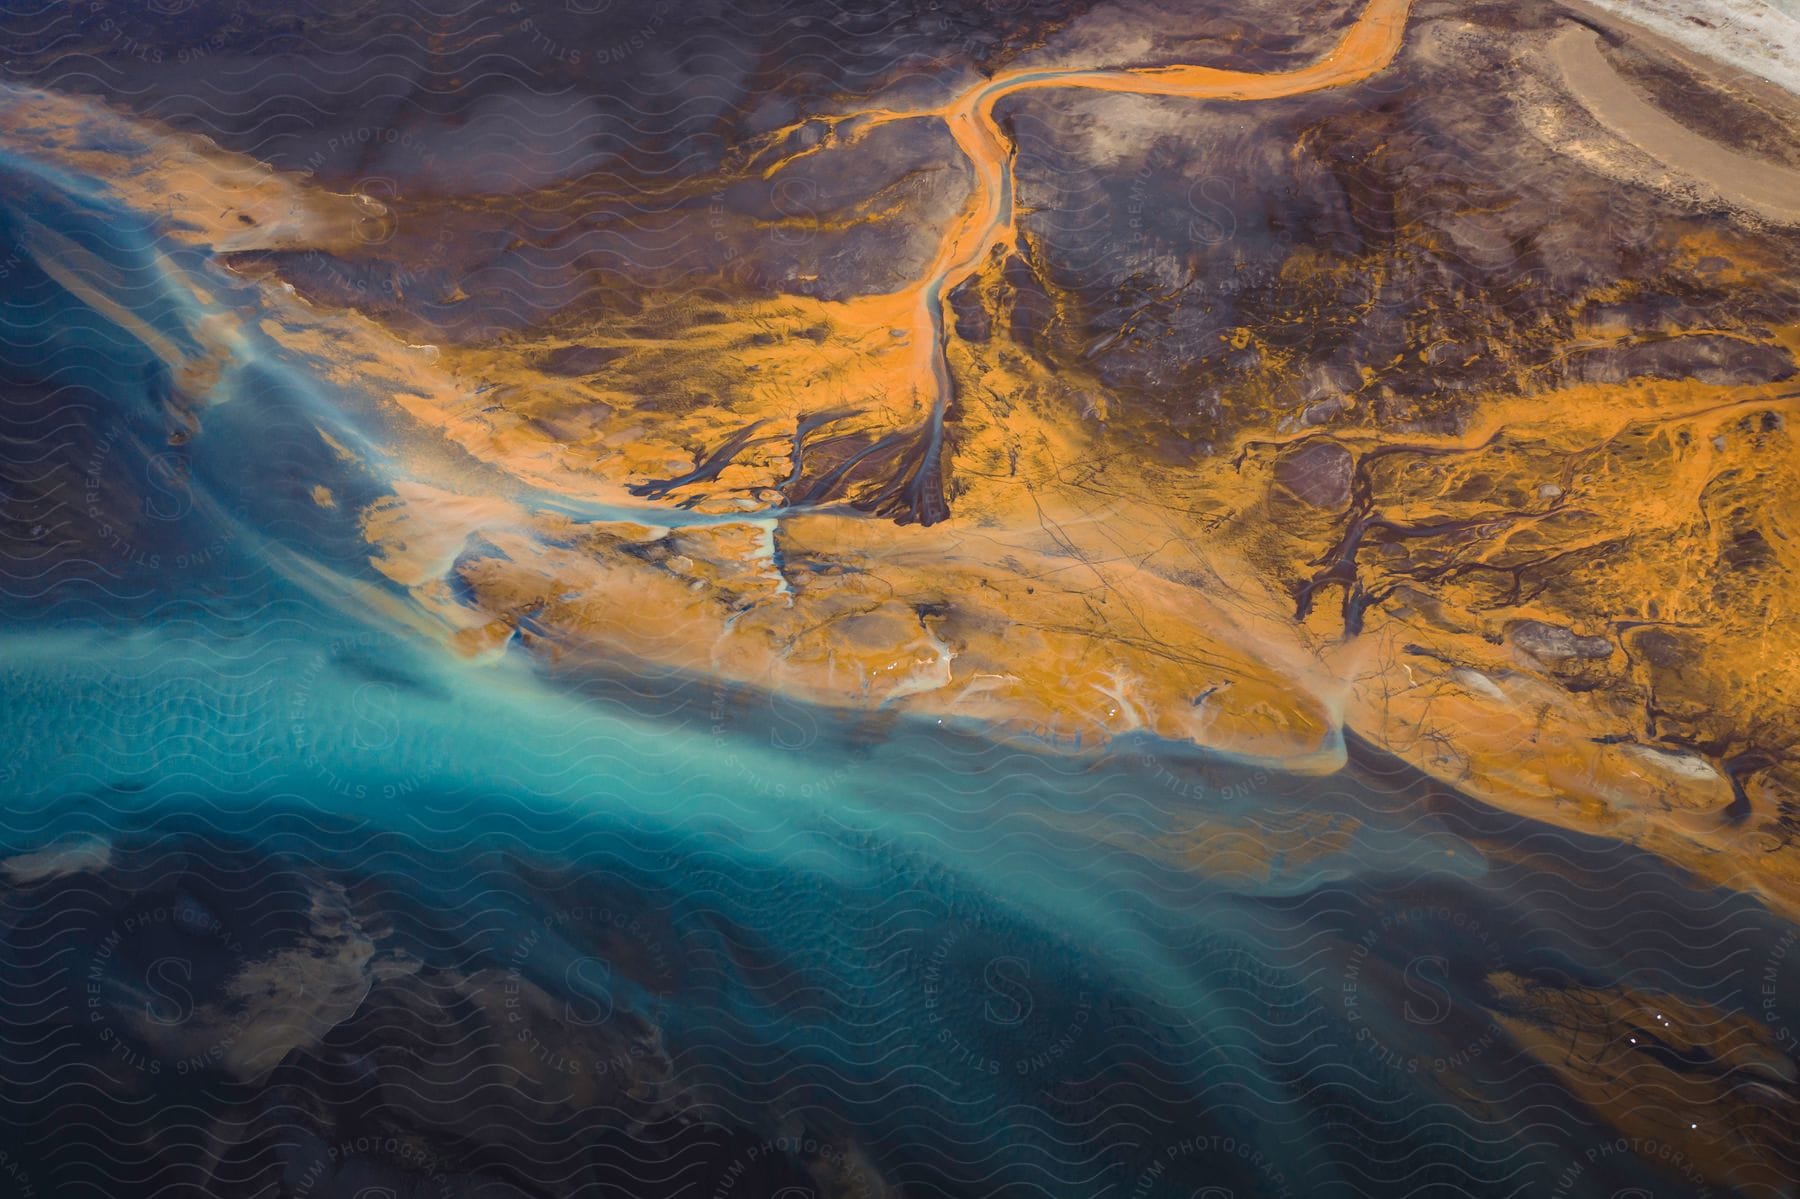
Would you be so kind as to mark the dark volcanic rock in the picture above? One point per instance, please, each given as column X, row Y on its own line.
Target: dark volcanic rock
column 1553, row 642
column 1318, row 474
column 1709, row 358
column 579, row 360
column 972, row 320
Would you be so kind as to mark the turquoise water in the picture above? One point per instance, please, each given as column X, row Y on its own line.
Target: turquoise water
column 403, row 920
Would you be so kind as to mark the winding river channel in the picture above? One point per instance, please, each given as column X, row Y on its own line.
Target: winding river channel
column 987, row 222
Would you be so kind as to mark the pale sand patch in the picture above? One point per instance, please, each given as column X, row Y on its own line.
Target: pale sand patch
column 207, row 195
column 1737, row 35
column 1764, row 188
column 80, row 855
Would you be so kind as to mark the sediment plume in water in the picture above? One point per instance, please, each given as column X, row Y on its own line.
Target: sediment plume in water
column 1050, row 599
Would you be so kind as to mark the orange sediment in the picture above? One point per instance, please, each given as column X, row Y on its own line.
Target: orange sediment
column 987, row 222
column 1079, row 589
